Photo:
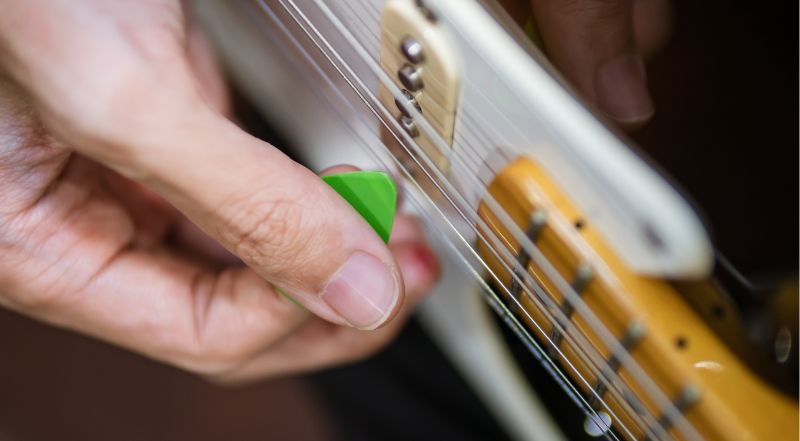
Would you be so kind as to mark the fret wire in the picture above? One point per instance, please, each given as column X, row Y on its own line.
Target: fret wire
column 537, row 222
column 395, row 92
column 411, row 143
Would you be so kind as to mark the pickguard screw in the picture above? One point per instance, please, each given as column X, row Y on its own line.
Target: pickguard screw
column 410, row 77
column 412, row 49
column 409, row 99
column 408, row 125
column 426, row 11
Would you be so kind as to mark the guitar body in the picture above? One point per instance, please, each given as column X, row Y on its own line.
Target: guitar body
column 571, row 236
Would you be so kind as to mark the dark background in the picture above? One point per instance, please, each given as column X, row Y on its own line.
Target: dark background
column 726, row 128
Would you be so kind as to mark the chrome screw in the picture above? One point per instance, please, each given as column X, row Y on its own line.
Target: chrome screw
column 410, row 100
column 408, row 125
column 426, row 11
column 410, row 77
column 412, row 49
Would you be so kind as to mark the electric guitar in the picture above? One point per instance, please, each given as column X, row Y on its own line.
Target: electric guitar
column 591, row 256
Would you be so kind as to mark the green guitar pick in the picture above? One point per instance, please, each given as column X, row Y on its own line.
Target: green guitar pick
column 372, row 194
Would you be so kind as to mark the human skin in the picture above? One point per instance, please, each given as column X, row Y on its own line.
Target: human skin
column 134, row 210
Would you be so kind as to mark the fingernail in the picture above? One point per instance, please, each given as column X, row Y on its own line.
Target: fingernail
column 621, row 89
column 364, row 292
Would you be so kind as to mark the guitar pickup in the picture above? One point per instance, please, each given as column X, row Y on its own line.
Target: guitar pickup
column 417, row 55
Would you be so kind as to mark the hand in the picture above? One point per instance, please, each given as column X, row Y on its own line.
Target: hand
column 600, row 46
column 121, row 176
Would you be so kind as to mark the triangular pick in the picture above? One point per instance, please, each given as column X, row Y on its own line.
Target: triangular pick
column 372, row 194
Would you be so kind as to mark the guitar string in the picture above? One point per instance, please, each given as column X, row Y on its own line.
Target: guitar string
column 412, row 111
column 362, row 97
column 670, row 402
column 603, row 360
column 466, row 113
column 375, row 37
column 374, row 11
column 395, row 92
column 491, row 297
column 469, row 148
column 578, row 372
column 588, row 409
column 374, row 44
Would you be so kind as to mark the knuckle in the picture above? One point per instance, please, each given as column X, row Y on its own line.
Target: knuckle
column 96, row 103
column 261, row 228
column 209, row 351
column 274, row 233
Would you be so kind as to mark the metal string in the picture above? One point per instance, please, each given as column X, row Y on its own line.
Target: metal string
column 411, row 111
column 462, row 213
column 578, row 374
column 373, row 98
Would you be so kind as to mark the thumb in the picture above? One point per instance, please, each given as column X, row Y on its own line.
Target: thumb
column 278, row 217
column 592, row 43
column 115, row 83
